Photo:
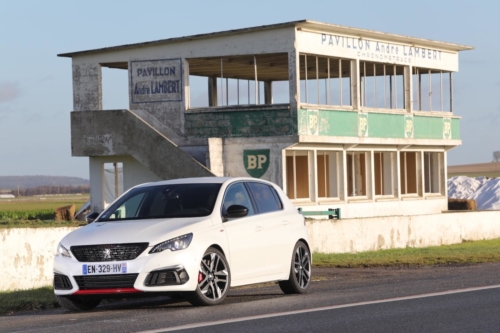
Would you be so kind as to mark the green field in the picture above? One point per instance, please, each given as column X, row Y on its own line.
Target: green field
column 37, row 203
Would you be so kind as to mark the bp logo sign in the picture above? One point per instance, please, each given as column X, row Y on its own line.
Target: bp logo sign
column 256, row 162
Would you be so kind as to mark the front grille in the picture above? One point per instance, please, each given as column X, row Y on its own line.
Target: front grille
column 111, row 252
column 106, row 281
column 62, row 282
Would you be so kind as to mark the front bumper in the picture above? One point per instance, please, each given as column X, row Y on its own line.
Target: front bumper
column 159, row 272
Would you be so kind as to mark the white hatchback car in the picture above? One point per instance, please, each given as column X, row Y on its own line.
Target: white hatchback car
column 193, row 237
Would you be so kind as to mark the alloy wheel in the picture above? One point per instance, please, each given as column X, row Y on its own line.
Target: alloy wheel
column 302, row 266
column 213, row 276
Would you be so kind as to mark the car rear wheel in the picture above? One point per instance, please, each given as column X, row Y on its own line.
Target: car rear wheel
column 214, row 278
column 77, row 304
column 300, row 271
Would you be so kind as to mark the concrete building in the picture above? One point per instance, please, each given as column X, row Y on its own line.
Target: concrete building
column 339, row 117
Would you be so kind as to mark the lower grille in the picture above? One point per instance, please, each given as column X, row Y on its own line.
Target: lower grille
column 106, row 281
column 166, row 278
column 62, row 282
column 110, row 252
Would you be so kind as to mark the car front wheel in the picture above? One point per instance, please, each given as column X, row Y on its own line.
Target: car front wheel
column 300, row 271
column 214, row 278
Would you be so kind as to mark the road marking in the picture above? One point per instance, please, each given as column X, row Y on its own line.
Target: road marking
column 324, row 308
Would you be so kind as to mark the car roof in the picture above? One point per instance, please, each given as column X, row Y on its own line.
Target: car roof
column 202, row 180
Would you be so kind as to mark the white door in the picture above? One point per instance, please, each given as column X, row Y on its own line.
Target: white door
column 246, row 254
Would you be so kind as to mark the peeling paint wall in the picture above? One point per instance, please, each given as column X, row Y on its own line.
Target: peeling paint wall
column 87, row 86
column 27, row 256
column 381, row 233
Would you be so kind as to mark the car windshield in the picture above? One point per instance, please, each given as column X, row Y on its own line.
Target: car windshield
column 163, row 201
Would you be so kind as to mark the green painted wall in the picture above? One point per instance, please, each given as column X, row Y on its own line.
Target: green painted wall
column 428, row 127
column 239, row 123
column 384, row 125
column 255, row 123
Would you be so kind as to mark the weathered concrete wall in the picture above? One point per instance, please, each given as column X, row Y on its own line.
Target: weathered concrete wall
column 87, row 86
column 27, row 256
column 370, row 234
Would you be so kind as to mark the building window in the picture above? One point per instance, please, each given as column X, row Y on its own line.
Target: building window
column 408, row 172
column 385, row 173
column 433, row 172
column 381, row 85
column 239, row 80
column 432, row 90
column 298, row 174
column 325, row 80
column 357, row 171
column 328, row 173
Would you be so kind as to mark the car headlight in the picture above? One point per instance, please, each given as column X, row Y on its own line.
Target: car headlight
column 174, row 244
column 61, row 250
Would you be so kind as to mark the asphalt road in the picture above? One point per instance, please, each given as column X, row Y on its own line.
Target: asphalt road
column 438, row 299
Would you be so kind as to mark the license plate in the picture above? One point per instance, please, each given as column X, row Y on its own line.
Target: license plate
column 97, row 269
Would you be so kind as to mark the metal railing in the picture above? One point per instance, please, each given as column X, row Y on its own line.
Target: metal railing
column 333, row 213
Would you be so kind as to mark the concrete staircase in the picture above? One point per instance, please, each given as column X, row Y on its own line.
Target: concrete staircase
column 123, row 132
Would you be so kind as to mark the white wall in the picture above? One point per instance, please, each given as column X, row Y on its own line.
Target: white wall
column 370, row 234
column 27, row 254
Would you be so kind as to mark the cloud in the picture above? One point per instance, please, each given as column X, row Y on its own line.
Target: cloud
column 9, row 91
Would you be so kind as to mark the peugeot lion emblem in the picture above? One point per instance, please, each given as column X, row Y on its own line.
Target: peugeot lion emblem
column 107, row 253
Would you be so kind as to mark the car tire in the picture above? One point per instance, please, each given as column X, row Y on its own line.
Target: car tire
column 77, row 304
column 214, row 279
column 300, row 271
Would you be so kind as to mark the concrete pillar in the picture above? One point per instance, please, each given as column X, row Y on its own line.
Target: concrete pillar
column 355, row 82
column 96, row 180
column 268, row 92
column 408, row 86
column 215, row 156
column 87, row 86
column 212, row 91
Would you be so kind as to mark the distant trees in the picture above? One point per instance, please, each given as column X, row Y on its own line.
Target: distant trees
column 46, row 190
column 496, row 156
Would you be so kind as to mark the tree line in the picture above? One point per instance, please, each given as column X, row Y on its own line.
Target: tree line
column 47, row 190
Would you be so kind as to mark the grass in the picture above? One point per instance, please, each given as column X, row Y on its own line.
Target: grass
column 9, row 223
column 32, row 204
column 458, row 254
column 27, row 300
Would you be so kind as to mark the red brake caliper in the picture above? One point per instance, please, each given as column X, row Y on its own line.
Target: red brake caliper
column 200, row 277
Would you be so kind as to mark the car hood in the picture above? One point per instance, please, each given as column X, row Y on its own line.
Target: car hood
column 151, row 231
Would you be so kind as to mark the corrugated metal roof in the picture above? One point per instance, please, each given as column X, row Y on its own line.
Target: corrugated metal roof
column 305, row 24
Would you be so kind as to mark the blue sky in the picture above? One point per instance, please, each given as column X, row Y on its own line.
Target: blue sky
column 35, row 85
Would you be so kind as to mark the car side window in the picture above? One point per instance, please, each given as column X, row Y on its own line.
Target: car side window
column 264, row 197
column 236, row 194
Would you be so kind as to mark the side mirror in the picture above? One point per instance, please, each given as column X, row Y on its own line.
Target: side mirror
column 91, row 217
column 236, row 211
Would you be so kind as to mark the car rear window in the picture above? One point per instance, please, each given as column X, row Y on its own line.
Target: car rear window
column 265, row 197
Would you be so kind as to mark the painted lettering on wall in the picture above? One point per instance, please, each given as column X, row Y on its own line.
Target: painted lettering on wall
column 256, row 161
column 156, row 81
column 380, row 50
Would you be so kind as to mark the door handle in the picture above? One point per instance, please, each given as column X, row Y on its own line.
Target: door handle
column 285, row 222
column 258, row 228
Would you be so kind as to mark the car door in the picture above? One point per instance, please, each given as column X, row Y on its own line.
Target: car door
column 275, row 227
column 246, row 248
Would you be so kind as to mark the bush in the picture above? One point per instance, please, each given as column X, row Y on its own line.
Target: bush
column 462, row 204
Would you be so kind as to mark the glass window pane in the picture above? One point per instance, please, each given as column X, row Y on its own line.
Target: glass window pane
column 264, row 198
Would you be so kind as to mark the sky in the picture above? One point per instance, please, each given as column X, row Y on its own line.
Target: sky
column 36, row 86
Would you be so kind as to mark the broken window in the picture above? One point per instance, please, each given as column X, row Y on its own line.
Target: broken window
column 325, row 80
column 297, row 174
column 329, row 173
column 433, row 172
column 381, row 85
column 408, row 171
column 432, row 90
column 357, row 167
column 238, row 80
column 385, row 173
